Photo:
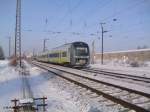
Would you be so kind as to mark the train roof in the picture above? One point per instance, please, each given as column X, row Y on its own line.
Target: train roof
column 79, row 43
column 65, row 45
column 74, row 43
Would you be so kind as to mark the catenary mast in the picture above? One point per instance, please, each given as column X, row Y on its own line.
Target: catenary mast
column 18, row 32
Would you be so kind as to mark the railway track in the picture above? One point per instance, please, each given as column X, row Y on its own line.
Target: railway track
column 125, row 77
column 27, row 103
column 128, row 98
column 26, row 89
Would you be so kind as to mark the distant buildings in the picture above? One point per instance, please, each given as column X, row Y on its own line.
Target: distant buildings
column 128, row 57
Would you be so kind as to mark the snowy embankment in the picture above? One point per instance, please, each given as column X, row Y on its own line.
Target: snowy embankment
column 9, row 85
column 58, row 101
column 124, row 68
column 62, row 95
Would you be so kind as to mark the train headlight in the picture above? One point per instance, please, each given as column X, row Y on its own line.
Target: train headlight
column 82, row 61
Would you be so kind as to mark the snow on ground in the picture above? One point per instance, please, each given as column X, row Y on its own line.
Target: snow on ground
column 62, row 95
column 124, row 68
column 121, row 82
column 57, row 101
column 9, row 85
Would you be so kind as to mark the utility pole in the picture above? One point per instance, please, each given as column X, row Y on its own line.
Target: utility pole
column 44, row 44
column 33, row 53
column 9, row 39
column 93, row 52
column 102, row 51
column 18, row 32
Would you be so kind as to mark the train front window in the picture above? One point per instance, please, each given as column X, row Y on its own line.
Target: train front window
column 81, row 51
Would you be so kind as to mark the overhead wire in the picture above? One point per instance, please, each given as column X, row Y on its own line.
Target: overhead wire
column 132, row 27
column 68, row 12
column 125, row 10
column 70, row 22
column 120, row 12
column 92, row 12
column 46, row 19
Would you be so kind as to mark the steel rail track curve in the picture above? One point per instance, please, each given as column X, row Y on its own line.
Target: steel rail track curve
column 108, row 96
column 106, row 83
column 119, row 75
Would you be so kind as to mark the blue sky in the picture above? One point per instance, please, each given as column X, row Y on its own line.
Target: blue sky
column 131, row 28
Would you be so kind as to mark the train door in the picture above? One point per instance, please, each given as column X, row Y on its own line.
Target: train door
column 59, row 56
column 72, row 53
column 68, row 50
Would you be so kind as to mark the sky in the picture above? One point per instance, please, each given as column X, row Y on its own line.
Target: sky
column 127, row 23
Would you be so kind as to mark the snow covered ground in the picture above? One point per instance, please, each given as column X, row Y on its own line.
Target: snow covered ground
column 9, row 85
column 58, row 101
column 62, row 95
column 124, row 68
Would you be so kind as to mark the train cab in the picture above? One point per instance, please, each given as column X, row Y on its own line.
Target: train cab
column 80, row 54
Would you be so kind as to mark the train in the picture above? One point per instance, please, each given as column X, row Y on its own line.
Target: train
column 75, row 54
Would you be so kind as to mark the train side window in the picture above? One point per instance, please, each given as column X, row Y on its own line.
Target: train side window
column 64, row 54
column 56, row 55
column 50, row 55
column 53, row 55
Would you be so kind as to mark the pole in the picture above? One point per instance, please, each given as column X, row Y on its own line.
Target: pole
column 44, row 44
column 18, row 32
column 15, row 107
column 102, row 50
column 93, row 51
column 9, row 45
column 44, row 109
column 33, row 52
column 102, row 46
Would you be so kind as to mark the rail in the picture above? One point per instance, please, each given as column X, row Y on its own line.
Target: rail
column 82, row 81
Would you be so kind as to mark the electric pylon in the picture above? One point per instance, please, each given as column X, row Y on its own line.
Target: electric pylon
column 18, row 32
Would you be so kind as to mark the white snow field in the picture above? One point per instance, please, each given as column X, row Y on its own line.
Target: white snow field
column 62, row 95
column 9, row 85
column 123, row 68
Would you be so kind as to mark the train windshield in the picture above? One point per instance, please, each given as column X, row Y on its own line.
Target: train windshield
column 81, row 51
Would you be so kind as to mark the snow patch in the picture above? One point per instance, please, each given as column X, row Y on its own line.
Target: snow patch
column 124, row 67
column 62, row 95
column 9, row 85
